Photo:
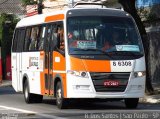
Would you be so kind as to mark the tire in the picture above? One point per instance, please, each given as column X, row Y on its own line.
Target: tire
column 61, row 102
column 29, row 97
column 131, row 103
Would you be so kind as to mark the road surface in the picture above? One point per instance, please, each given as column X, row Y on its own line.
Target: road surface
column 13, row 106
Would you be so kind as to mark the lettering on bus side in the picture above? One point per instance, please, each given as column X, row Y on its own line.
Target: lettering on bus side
column 33, row 61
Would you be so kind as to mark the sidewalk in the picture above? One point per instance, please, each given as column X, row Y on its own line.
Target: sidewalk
column 6, row 83
column 152, row 99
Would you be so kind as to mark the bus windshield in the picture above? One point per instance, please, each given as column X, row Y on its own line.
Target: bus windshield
column 102, row 34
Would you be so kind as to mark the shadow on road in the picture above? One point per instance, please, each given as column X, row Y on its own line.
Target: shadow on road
column 88, row 105
column 7, row 90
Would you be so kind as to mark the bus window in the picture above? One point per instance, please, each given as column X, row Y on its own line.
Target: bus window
column 41, row 38
column 20, row 40
column 99, row 34
column 14, row 46
column 54, row 38
column 34, row 38
column 27, row 39
column 60, row 38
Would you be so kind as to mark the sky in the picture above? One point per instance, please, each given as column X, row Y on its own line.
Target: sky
column 147, row 3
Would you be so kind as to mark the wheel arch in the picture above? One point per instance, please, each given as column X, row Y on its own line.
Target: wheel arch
column 56, row 79
column 24, row 79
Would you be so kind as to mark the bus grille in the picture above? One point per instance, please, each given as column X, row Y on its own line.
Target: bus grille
column 99, row 78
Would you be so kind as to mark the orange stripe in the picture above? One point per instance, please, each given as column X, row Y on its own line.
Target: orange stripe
column 54, row 18
column 90, row 65
column 42, row 82
column 64, row 85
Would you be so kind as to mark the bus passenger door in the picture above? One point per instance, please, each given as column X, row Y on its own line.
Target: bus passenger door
column 17, row 60
column 48, row 62
column 14, row 61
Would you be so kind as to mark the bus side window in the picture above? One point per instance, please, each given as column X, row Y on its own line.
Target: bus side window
column 41, row 38
column 34, row 39
column 48, row 37
column 60, row 38
column 14, row 46
column 27, row 39
column 53, row 44
column 20, row 39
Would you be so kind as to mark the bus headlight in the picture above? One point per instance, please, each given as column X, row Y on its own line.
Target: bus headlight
column 78, row 73
column 139, row 74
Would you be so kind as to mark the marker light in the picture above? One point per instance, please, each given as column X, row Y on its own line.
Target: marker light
column 139, row 74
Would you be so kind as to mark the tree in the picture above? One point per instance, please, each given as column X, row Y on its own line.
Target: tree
column 7, row 23
column 129, row 6
column 29, row 2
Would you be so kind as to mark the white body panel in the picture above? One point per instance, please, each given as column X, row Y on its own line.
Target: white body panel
column 16, row 71
column 23, row 65
column 32, row 66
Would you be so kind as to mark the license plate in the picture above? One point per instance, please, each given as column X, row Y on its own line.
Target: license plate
column 110, row 83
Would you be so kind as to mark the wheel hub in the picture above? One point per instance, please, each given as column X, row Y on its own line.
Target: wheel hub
column 59, row 96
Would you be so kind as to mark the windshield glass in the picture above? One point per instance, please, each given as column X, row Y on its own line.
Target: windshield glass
column 90, row 35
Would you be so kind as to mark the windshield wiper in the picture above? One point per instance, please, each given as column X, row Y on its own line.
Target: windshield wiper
column 105, row 53
column 125, row 52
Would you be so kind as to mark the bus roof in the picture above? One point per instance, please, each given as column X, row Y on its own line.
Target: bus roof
column 45, row 18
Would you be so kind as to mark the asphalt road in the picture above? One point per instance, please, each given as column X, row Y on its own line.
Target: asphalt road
column 13, row 106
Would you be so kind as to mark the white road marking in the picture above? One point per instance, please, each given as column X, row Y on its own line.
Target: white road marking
column 31, row 112
column 16, row 109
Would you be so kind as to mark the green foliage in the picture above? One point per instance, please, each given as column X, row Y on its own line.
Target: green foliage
column 28, row 2
column 146, row 14
column 7, row 25
column 4, row 18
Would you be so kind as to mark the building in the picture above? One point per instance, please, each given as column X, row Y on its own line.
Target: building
column 12, row 7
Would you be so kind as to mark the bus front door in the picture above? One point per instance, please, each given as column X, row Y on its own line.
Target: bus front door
column 48, row 63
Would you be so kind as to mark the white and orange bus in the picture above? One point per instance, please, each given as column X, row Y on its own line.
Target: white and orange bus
column 79, row 53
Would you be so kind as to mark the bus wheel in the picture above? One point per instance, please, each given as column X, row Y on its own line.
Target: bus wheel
column 27, row 96
column 131, row 103
column 60, row 101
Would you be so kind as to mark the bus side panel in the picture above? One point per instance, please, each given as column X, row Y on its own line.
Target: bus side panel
column 16, row 69
column 32, row 66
